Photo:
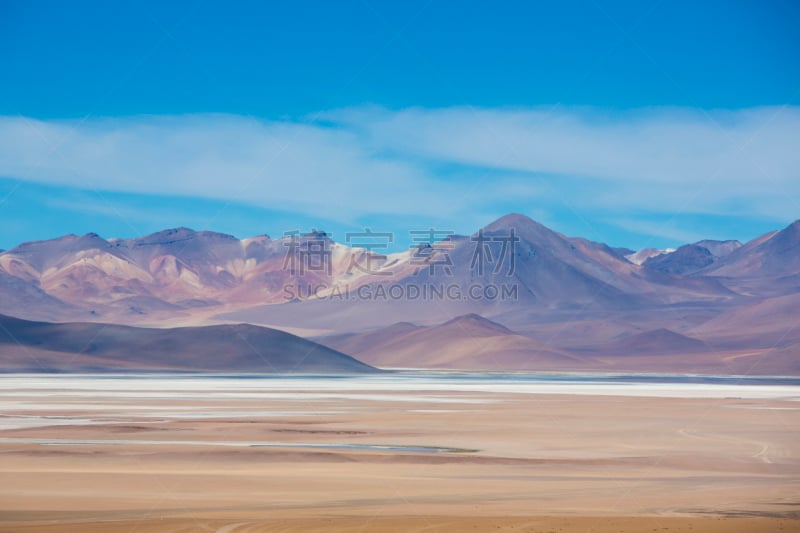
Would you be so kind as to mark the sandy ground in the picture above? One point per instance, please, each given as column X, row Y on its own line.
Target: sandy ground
column 456, row 461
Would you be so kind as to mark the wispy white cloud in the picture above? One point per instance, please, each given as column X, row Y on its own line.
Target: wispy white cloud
column 665, row 159
column 451, row 161
column 669, row 230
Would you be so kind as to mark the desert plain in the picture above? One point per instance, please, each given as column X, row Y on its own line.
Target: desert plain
column 395, row 453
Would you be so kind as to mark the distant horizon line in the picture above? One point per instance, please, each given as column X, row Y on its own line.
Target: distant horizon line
column 321, row 232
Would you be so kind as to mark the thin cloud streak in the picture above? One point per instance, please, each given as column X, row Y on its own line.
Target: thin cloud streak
column 452, row 161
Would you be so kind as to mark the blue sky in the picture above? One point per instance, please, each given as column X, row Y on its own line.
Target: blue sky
column 633, row 123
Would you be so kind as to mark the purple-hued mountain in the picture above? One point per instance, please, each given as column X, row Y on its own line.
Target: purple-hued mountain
column 27, row 346
column 582, row 302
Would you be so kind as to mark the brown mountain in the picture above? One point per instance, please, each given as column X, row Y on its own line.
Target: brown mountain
column 775, row 254
column 27, row 346
column 657, row 341
column 468, row 342
column 685, row 260
column 173, row 274
column 759, row 323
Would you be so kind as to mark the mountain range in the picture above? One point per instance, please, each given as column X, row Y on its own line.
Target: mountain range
column 514, row 295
